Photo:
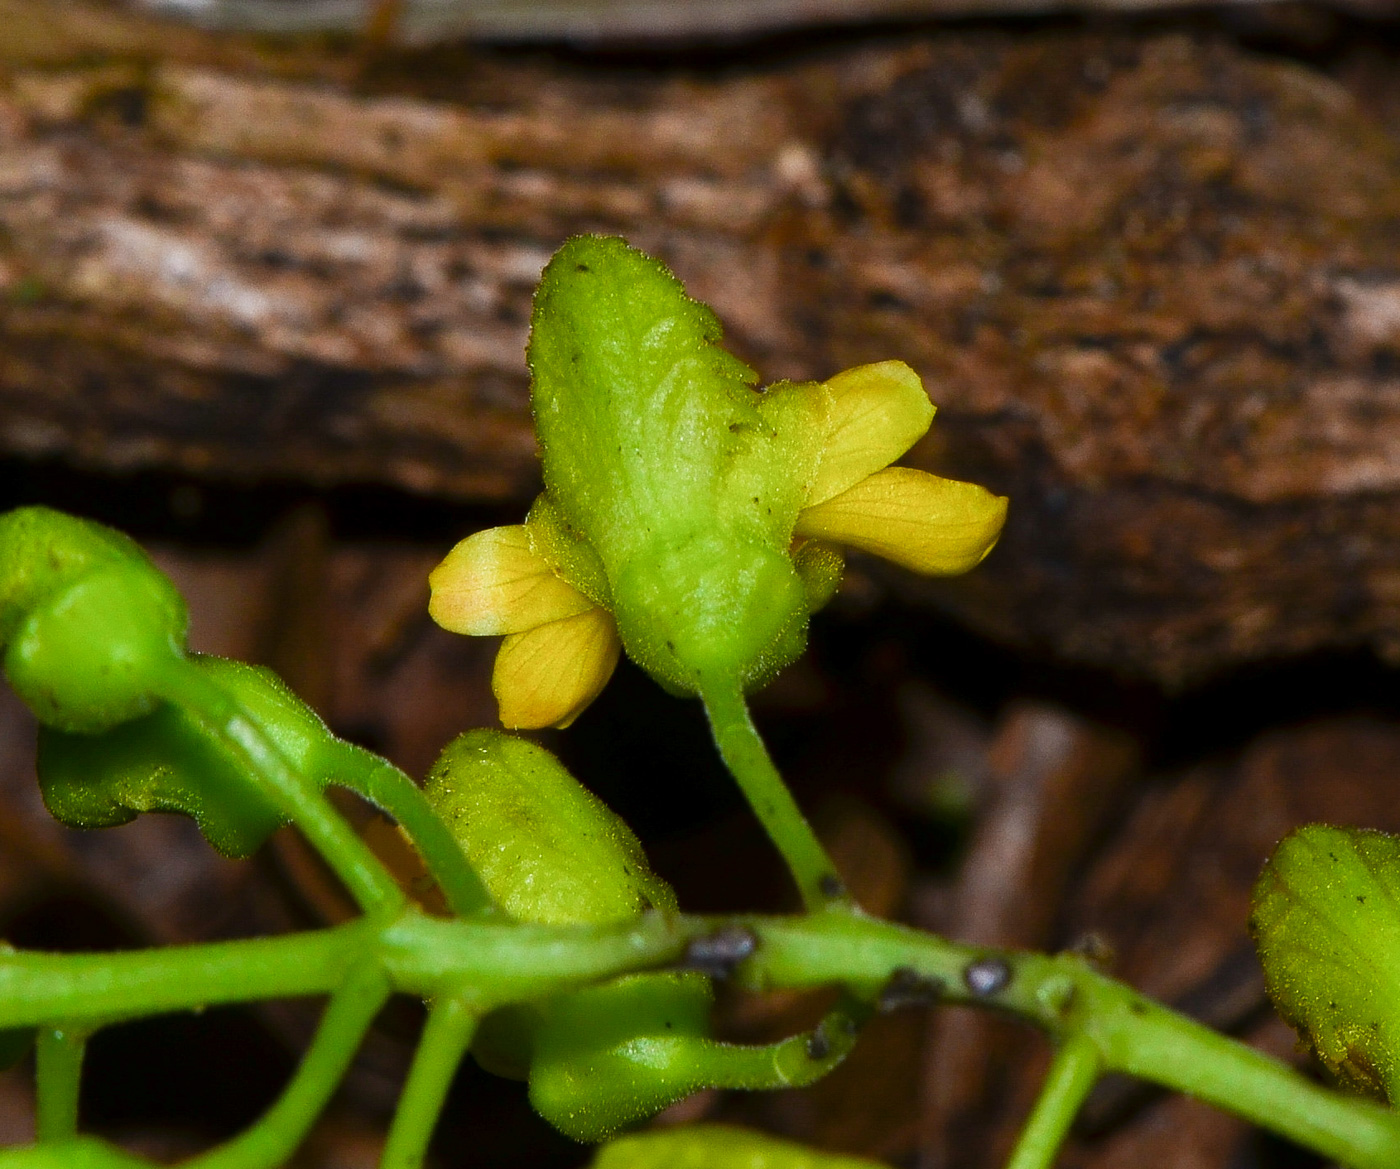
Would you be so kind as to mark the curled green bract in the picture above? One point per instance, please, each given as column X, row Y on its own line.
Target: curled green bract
column 165, row 762
column 683, row 480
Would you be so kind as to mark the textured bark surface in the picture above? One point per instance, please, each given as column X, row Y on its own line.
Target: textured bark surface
column 1153, row 282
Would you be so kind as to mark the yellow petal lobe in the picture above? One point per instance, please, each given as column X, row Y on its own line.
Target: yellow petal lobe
column 877, row 413
column 547, row 676
column 936, row 526
column 494, row 582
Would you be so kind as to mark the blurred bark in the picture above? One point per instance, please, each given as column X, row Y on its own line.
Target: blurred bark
column 609, row 22
column 1152, row 281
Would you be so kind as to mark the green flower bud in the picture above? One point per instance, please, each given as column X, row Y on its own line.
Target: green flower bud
column 88, row 624
column 1327, row 923
column 609, row 1056
column 547, row 848
column 601, row 1057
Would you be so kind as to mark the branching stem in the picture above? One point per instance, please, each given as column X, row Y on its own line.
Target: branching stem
column 448, row 1031
column 274, row 1138
column 484, row 963
column 1072, row 1075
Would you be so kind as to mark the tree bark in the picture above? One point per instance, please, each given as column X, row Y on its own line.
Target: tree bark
column 1152, row 280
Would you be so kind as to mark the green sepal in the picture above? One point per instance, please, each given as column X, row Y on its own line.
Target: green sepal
column 684, row 480
column 88, row 625
column 717, row 1146
column 165, row 763
column 547, row 849
column 1326, row 921
column 820, row 566
column 566, row 551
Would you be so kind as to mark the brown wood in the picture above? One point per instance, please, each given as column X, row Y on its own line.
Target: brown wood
column 1153, row 282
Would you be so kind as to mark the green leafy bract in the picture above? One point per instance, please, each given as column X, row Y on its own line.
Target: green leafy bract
column 1327, row 923
column 684, row 480
column 165, row 762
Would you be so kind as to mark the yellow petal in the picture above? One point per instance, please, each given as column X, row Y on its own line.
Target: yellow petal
column 936, row 526
column 494, row 582
column 548, row 675
column 877, row 413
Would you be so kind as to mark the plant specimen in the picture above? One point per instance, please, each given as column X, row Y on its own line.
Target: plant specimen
column 696, row 523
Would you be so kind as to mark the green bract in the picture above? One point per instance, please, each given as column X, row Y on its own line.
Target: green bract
column 683, row 481
column 1327, row 922
column 166, row 762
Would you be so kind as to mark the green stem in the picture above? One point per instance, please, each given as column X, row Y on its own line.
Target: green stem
column 448, row 1031
column 79, row 1153
column 88, row 988
column 275, row 1137
column 225, row 721
column 58, row 1056
column 392, row 792
column 1072, row 1076
column 501, row 961
column 487, row 962
column 744, row 753
column 1066, row 998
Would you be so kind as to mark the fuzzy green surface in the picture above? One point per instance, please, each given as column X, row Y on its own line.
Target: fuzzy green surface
column 1327, row 923
column 545, row 846
column 42, row 550
column 684, row 480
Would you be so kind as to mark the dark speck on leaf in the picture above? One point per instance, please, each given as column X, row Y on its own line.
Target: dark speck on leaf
column 831, row 886
column 582, row 268
column 818, row 1045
